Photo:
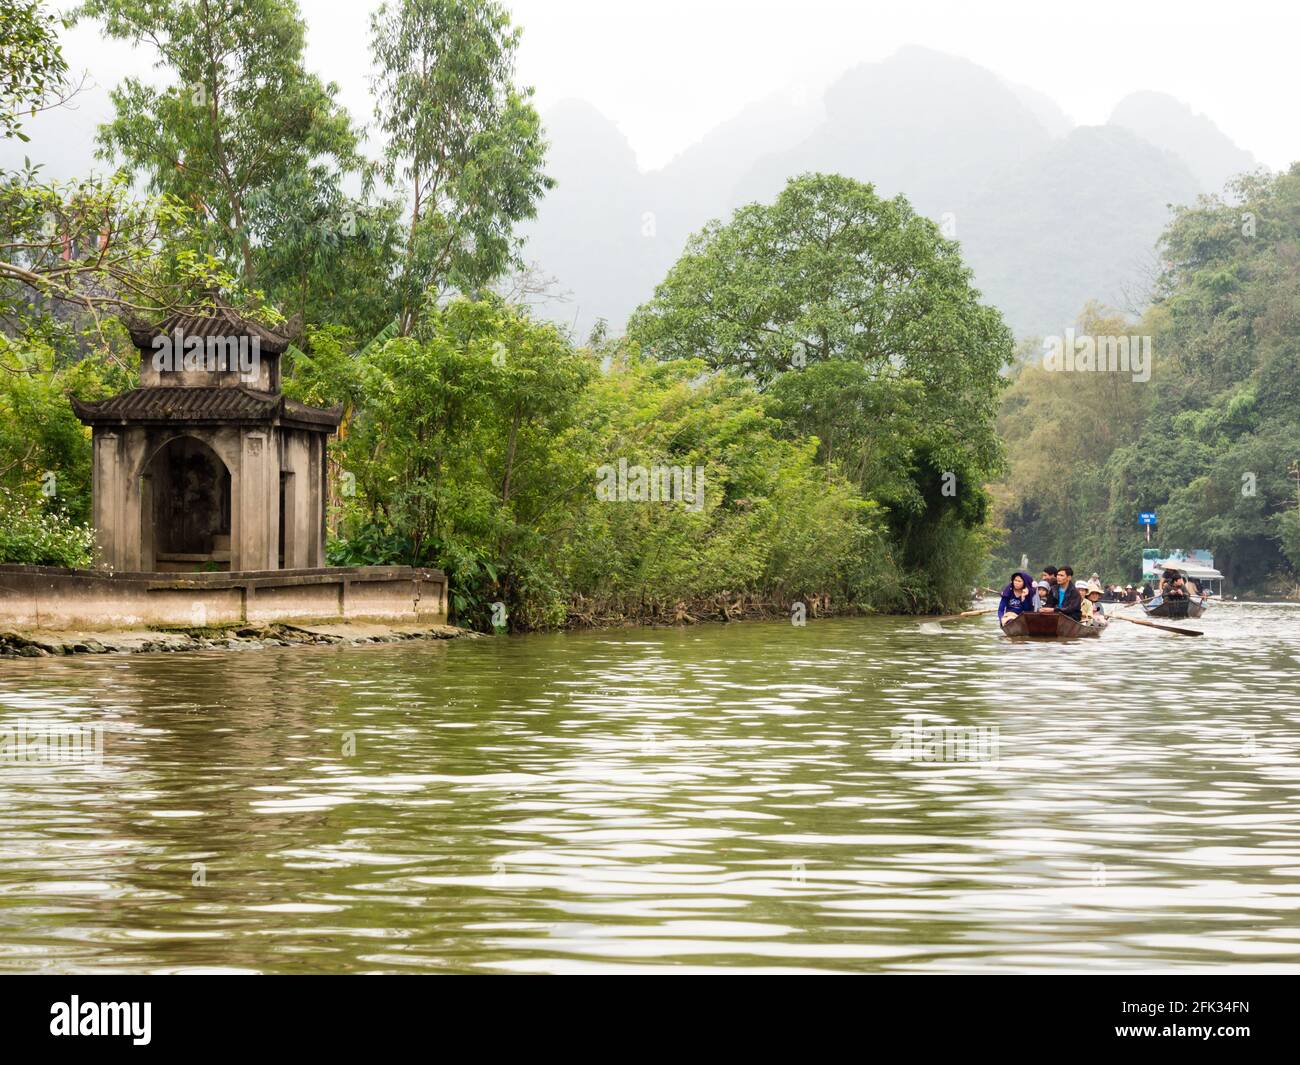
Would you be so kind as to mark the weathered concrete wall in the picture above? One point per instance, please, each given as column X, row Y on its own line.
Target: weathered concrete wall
column 126, row 483
column 263, row 375
column 43, row 597
column 302, row 469
column 257, row 512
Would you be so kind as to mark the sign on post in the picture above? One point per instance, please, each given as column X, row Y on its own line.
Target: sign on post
column 1147, row 518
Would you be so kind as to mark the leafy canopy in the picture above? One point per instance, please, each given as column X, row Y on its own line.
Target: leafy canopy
column 32, row 67
column 240, row 126
column 462, row 140
column 832, row 272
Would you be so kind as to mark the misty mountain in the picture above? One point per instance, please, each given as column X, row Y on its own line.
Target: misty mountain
column 1049, row 216
column 700, row 183
column 1077, row 222
column 921, row 123
column 588, row 233
column 1172, row 125
column 1045, row 109
column 609, row 233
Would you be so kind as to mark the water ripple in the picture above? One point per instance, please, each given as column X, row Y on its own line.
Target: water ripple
column 717, row 798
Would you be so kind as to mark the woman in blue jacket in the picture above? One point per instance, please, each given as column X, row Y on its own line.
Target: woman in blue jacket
column 1018, row 597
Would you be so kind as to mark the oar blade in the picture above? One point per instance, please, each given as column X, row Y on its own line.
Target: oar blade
column 1162, row 628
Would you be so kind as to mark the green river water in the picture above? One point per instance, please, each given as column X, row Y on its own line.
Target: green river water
column 740, row 797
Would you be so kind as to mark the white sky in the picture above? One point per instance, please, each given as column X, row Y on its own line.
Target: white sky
column 667, row 71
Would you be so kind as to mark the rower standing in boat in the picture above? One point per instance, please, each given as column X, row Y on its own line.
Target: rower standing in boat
column 1018, row 597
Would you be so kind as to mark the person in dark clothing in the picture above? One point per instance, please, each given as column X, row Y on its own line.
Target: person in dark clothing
column 1065, row 598
column 1049, row 574
column 1171, row 585
column 1147, row 591
column 1018, row 597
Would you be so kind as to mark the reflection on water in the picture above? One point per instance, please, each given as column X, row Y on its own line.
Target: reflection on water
column 709, row 798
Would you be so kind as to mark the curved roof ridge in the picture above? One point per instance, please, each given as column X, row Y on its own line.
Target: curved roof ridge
column 224, row 321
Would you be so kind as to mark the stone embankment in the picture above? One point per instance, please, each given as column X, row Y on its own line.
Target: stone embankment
column 233, row 638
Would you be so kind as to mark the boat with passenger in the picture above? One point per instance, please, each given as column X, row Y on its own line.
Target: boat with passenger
column 1176, row 597
column 1049, row 626
column 1057, row 609
column 1165, row 606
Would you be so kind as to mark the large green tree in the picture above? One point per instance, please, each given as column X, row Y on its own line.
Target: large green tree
column 90, row 243
column 831, row 271
column 860, row 322
column 238, row 126
column 464, row 144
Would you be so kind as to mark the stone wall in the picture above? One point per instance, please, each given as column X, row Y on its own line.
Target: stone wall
column 43, row 597
column 134, row 494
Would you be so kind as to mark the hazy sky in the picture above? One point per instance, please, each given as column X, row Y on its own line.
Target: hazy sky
column 667, row 71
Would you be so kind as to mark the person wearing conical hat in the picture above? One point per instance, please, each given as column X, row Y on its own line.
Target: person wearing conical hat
column 1093, row 612
column 1085, row 605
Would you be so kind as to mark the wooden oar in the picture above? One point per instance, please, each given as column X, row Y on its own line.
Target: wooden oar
column 963, row 614
column 1153, row 625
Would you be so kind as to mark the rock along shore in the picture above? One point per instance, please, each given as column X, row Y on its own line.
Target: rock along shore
column 234, row 638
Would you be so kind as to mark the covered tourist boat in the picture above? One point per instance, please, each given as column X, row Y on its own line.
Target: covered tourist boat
column 1189, row 605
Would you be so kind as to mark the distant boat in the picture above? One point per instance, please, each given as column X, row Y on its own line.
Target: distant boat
column 1190, row 606
column 1196, row 566
column 1053, row 626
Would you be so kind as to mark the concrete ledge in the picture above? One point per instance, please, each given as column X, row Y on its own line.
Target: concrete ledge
column 49, row 642
column 34, row 598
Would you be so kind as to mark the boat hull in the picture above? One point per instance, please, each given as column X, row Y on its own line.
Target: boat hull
column 1038, row 626
column 1160, row 607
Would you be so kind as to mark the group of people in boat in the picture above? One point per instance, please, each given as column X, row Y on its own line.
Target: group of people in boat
column 1056, row 591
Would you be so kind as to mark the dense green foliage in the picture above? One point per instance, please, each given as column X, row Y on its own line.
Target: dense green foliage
column 35, row 534
column 1210, row 443
column 476, row 444
column 859, row 321
column 816, row 380
column 43, row 448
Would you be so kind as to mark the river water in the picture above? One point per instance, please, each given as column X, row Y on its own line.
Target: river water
column 757, row 797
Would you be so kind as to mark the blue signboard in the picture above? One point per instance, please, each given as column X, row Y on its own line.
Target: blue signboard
column 1147, row 517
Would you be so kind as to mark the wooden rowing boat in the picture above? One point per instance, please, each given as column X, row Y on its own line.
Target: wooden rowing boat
column 1181, row 607
column 1053, row 626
